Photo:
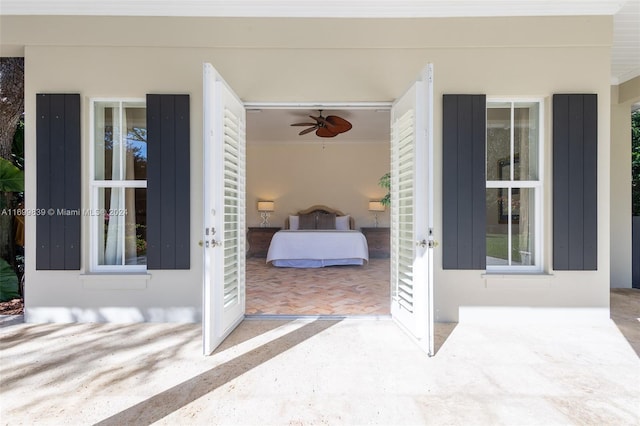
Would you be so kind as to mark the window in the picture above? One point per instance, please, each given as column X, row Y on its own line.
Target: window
column 514, row 185
column 119, row 185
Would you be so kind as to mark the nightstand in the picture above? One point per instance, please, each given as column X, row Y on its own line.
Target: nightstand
column 378, row 240
column 259, row 239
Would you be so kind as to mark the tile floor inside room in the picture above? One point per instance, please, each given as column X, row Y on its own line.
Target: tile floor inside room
column 336, row 290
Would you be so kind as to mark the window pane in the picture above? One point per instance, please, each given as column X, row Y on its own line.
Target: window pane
column 120, row 141
column 521, row 216
column 136, row 153
column 499, row 142
column 106, row 229
column 104, row 127
column 122, row 226
column 523, row 226
column 525, row 137
column 497, row 226
column 140, row 217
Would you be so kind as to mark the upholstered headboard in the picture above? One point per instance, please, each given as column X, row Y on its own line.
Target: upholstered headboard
column 319, row 209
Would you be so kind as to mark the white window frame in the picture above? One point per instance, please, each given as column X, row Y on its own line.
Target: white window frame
column 95, row 185
column 537, row 185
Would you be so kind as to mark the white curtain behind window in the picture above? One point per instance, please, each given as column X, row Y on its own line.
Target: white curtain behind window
column 115, row 244
column 121, row 231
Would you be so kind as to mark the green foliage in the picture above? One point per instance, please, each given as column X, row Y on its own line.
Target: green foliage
column 8, row 282
column 17, row 148
column 385, row 182
column 11, row 177
column 635, row 162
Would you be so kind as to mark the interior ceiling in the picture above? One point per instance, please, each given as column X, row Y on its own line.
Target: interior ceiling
column 274, row 125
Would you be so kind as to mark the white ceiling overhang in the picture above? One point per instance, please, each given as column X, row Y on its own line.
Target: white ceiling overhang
column 625, row 53
column 313, row 8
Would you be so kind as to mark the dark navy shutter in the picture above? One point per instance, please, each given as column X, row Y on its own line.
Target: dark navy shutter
column 575, row 172
column 58, row 183
column 168, row 184
column 464, row 187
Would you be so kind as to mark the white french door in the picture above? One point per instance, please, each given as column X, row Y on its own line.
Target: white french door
column 224, row 209
column 412, row 210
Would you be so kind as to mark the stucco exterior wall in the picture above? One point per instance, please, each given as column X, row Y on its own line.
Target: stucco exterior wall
column 371, row 60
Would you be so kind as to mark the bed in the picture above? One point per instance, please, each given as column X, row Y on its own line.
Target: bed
column 317, row 237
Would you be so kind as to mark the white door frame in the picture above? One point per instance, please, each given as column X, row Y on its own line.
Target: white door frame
column 318, row 105
column 429, row 136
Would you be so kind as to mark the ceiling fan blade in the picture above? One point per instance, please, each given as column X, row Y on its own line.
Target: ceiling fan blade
column 323, row 132
column 304, row 124
column 339, row 124
column 309, row 130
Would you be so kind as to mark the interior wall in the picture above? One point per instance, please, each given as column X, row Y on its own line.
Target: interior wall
column 623, row 96
column 337, row 174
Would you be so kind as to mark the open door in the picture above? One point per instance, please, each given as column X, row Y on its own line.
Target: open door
column 224, row 210
column 412, row 210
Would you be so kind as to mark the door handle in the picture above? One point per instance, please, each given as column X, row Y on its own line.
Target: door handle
column 207, row 243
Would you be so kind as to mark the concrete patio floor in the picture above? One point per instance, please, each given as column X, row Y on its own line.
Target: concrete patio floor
column 324, row 372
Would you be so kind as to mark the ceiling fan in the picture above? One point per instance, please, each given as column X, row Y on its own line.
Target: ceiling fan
column 326, row 127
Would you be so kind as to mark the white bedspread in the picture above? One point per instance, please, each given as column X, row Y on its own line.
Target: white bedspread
column 317, row 248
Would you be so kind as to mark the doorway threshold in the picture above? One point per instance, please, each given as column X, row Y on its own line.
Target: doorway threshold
column 270, row 317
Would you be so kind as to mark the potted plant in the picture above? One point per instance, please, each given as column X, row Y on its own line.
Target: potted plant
column 385, row 182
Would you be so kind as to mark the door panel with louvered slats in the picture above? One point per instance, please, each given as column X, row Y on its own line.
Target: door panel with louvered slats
column 411, row 207
column 224, row 210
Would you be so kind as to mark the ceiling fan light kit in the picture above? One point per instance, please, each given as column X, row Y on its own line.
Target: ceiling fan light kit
column 326, row 127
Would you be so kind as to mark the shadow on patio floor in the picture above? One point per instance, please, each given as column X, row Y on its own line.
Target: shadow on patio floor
column 169, row 401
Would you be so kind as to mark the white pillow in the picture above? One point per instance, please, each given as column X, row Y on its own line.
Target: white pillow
column 293, row 223
column 342, row 223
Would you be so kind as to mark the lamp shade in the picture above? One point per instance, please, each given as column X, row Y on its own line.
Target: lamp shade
column 265, row 206
column 376, row 206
